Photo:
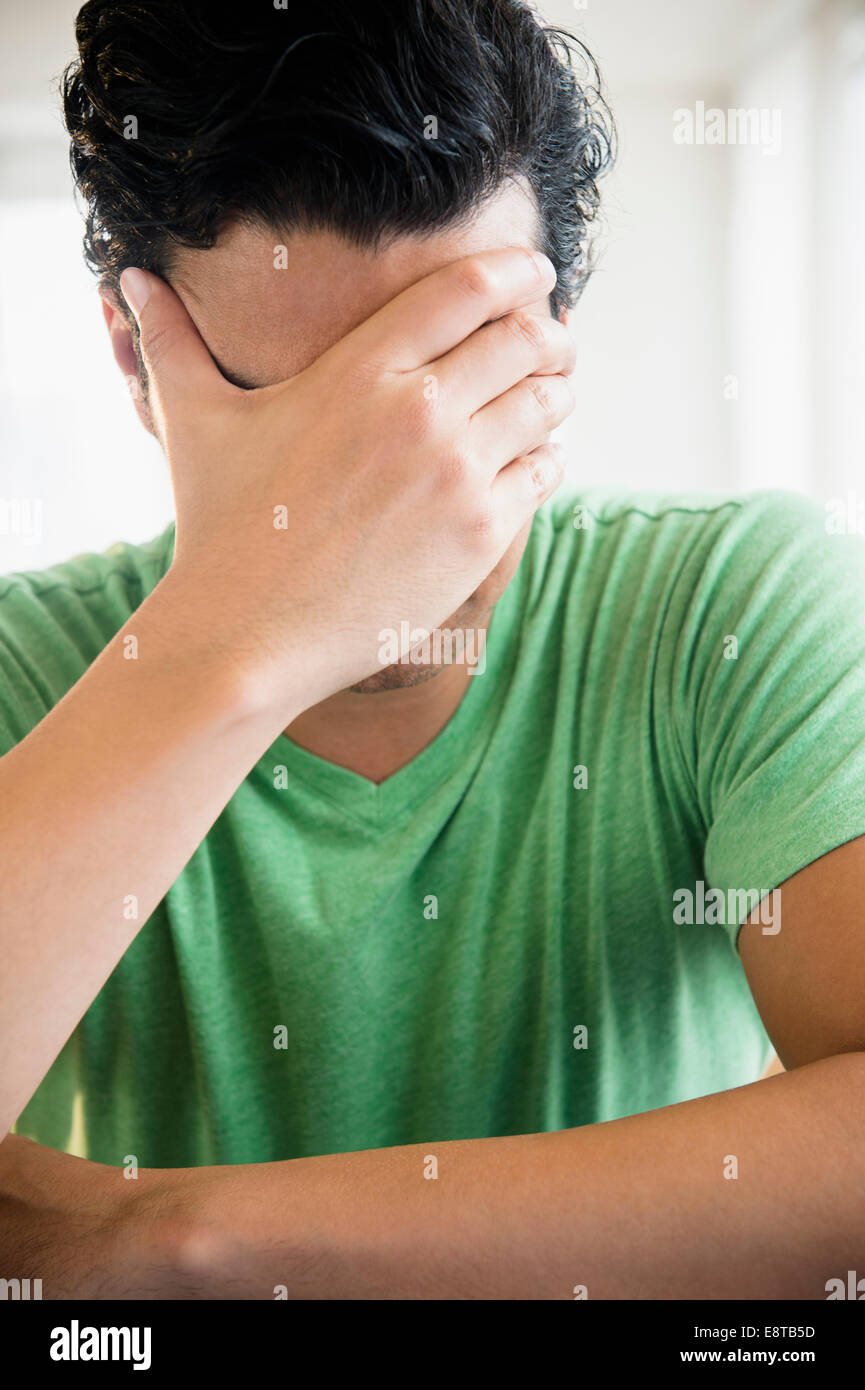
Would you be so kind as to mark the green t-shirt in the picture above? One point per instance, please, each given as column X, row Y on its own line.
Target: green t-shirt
column 485, row 943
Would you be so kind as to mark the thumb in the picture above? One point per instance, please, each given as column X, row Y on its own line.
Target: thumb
column 179, row 366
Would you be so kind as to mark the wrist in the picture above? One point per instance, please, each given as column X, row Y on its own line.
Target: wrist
column 220, row 656
column 217, row 641
column 158, row 1227
column 214, row 1236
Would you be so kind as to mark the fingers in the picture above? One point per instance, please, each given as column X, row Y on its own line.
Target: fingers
column 499, row 355
column 520, row 420
column 432, row 316
column 525, row 484
column 180, row 369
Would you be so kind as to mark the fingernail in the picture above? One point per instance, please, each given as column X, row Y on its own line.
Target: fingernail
column 135, row 285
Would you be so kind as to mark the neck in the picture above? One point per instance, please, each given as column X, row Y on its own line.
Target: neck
column 375, row 734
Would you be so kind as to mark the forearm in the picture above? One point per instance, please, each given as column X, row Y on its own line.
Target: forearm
column 636, row 1208
column 101, row 806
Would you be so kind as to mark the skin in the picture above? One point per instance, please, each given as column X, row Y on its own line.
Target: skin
column 635, row 1208
column 271, row 604
column 281, row 322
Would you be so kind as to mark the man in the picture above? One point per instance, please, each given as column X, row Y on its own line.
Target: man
column 386, row 969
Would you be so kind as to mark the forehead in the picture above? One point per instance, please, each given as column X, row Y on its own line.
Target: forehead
column 267, row 308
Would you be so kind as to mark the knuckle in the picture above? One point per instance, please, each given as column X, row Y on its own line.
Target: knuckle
column 474, row 278
column 526, row 328
column 544, row 468
column 537, row 472
column 482, row 526
column 543, row 394
column 553, row 394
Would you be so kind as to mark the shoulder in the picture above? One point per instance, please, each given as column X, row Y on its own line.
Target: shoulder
column 54, row 623
column 700, row 541
column 656, row 518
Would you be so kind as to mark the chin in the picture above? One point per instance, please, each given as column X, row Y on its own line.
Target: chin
column 474, row 614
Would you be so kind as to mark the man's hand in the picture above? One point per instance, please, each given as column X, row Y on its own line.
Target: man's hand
column 381, row 484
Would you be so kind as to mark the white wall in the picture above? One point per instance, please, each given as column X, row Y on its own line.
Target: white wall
column 723, row 342
column 69, row 438
column 651, row 327
column 73, row 457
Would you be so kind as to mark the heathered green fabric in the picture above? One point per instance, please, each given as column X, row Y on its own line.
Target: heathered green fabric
column 429, row 946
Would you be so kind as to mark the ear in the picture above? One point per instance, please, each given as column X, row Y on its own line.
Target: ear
column 564, row 315
column 120, row 331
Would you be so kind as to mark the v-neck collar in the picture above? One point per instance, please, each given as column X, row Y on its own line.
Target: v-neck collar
column 454, row 751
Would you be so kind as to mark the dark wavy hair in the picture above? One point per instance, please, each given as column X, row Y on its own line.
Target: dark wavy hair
column 317, row 116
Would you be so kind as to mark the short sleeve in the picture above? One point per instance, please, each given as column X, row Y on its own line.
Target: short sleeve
column 774, row 691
